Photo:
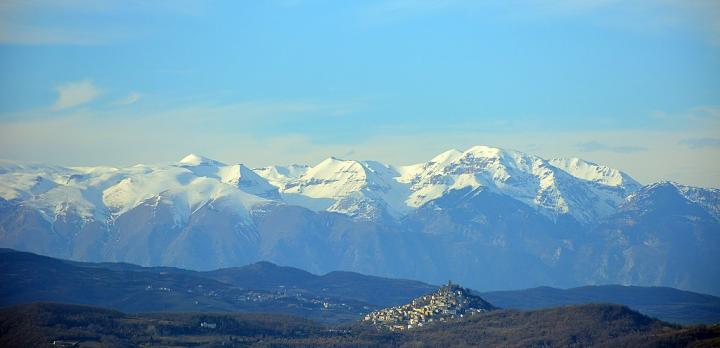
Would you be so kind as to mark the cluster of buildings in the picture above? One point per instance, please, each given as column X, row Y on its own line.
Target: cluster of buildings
column 449, row 302
column 253, row 298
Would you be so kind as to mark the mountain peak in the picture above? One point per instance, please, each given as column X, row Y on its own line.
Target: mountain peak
column 447, row 156
column 334, row 159
column 333, row 165
column 247, row 180
column 665, row 183
column 590, row 171
column 198, row 160
column 262, row 265
column 485, row 151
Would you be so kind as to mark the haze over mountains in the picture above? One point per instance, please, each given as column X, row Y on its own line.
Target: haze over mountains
column 488, row 218
column 269, row 288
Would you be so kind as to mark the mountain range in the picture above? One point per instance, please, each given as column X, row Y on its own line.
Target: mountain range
column 265, row 287
column 259, row 287
column 486, row 217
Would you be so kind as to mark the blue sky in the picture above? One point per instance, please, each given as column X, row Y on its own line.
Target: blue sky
column 633, row 85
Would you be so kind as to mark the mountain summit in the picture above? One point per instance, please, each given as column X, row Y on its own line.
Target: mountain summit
column 197, row 160
column 472, row 215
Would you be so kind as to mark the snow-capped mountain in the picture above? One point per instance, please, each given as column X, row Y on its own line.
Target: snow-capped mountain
column 237, row 175
column 477, row 216
column 366, row 189
column 596, row 173
column 281, row 176
column 99, row 193
column 580, row 189
column 371, row 189
column 360, row 189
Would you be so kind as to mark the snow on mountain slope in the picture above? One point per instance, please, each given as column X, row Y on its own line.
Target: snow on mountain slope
column 707, row 198
column 56, row 190
column 596, row 173
column 367, row 189
column 282, row 176
column 22, row 181
column 248, row 181
column 473, row 215
column 22, row 186
column 237, row 175
column 192, row 183
column 178, row 187
column 332, row 178
column 363, row 189
column 521, row 176
column 408, row 173
column 529, row 179
column 99, row 193
column 193, row 160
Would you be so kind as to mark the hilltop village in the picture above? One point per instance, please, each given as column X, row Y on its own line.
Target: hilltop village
column 450, row 302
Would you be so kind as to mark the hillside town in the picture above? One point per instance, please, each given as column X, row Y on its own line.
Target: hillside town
column 451, row 301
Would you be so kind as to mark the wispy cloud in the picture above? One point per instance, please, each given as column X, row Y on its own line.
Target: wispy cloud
column 149, row 134
column 75, row 93
column 699, row 143
column 704, row 114
column 593, row 146
column 131, row 98
column 706, row 117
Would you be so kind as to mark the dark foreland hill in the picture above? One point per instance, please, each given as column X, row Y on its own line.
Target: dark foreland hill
column 668, row 304
column 260, row 287
column 51, row 324
column 265, row 287
column 378, row 291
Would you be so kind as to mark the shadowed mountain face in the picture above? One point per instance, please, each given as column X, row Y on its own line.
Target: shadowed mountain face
column 487, row 218
column 266, row 287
